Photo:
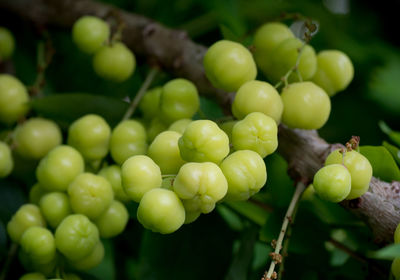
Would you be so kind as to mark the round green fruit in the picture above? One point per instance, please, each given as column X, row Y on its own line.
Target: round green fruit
column 92, row 260
column 359, row 167
column 14, row 99
column 113, row 175
column 305, row 106
column 36, row 137
column 150, row 103
column 161, row 210
column 179, row 100
column 155, row 127
column 397, row 234
column 139, row 175
column 334, row 72
column 180, row 125
column 6, row 160
column 246, row 174
column 256, row 132
column 164, row 151
column 257, row 96
column 115, row 63
column 39, row 244
column 332, row 182
column 228, row 65
column 76, row 237
column 90, row 195
column 112, row 221
column 200, row 186
column 128, row 138
column 90, row 33
column 90, row 135
column 28, row 215
column 33, row 276
column 227, row 127
column 36, row 193
column 55, row 206
column 395, row 268
column 59, row 167
column 7, row 43
column 203, row 141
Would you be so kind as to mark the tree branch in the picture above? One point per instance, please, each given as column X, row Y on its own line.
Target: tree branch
column 175, row 52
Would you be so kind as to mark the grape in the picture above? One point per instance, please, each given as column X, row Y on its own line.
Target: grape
column 228, row 65
column 6, row 160
column 332, row 182
column 7, row 43
column 90, row 33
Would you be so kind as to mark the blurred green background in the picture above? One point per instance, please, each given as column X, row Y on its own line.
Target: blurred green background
column 233, row 241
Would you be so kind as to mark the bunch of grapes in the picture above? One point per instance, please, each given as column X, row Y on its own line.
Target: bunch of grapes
column 176, row 168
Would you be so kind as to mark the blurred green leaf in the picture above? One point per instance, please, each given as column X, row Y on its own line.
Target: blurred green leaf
column 383, row 164
column 393, row 150
column 393, row 135
column 253, row 212
column 387, row 253
column 66, row 108
column 230, row 217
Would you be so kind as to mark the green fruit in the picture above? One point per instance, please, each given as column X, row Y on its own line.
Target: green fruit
column 59, row 167
column 203, row 141
column 161, row 210
column 76, row 237
column 7, row 43
column 359, row 167
column 33, row 276
column 92, row 260
column 39, row 244
column 227, row 127
column 36, row 193
column 112, row 221
column 228, row 65
column 266, row 39
column 150, row 103
column 334, row 72
column 256, row 132
column 180, row 125
column 55, row 206
column 113, row 175
column 257, row 96
column 139, row 175
column 90, row 33
column 246, row 174
column 179, row 100
column 155, row 127
column 128, row 138
column 332, row 182
column 36, row 137
column 6, row 160
column 90, row 135
column 13, row 99
column 47, row 269
column 191, row 216
column 90, row 195
column 164, row 151
column 397, row 234
column 284, row 58
column 28, row 215
column 116, row 63
column 305, row 106
column 200, row 186
column 395, row 268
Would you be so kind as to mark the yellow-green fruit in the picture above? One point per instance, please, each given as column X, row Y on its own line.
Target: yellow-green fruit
column 39, row 244
column 28, row 215
column 14, row 99
column 92, row 260
column 395, row 268
column 113, row 175
column 113, row 221
column 139, row 175
column 257, row 96
column 335, row 71
column 397, row 234
column 55, row 207
column 164, row 151
column 36, row 137
column 256, row 132
column 305, row 106
column 246, row 174
column 90, row 33
column 227, row 127
column 155, row 127
column 33, row 276
column 149, row 104
column 7, row 43
column 180, row 125
column 36, row 193
column 332, row 182
column 6, row 160
column 228, row 65
column 359, row 167
column 200, row 186
column 266, row 39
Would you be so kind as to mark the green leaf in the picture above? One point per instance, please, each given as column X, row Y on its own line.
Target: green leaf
column 387, row 253
column 393, row 150
column 383, row 164
column 393, row 135
column 254, row 213
column 65, row 108
column 230, row 217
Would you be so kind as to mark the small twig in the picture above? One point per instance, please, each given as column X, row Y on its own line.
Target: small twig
column 11, row 254
column 135, row 102
column 276, row 257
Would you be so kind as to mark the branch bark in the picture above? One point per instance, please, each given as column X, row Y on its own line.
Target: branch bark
column 172, row 50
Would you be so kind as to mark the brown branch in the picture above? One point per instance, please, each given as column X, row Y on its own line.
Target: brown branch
column 176, row 53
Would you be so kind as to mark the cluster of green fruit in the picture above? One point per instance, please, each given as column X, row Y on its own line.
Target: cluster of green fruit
column 396, row 261
column 112, row 60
